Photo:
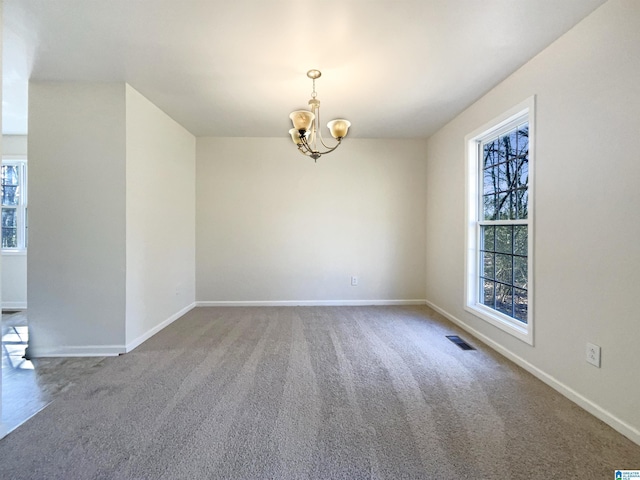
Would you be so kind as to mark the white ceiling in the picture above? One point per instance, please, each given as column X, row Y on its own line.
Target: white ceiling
column 395, row 68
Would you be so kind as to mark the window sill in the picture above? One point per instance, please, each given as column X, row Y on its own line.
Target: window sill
column 14, row 253
column 513, row 327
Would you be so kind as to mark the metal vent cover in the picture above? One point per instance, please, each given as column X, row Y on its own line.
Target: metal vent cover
column 461, row 343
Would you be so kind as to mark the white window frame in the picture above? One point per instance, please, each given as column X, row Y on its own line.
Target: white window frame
column 21, row 208
column 521, row 113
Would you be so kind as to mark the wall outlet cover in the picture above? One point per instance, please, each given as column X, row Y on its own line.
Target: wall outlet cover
column 593, row 354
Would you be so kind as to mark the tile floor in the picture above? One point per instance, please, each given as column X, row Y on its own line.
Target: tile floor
column 29, row 386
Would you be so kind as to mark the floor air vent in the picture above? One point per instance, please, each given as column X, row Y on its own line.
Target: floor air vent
column 461, row 343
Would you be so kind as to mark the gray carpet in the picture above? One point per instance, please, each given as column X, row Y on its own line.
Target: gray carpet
column 312, row 393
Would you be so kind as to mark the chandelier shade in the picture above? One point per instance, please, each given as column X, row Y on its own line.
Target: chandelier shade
column 302, row 119
column 339, row 127
column 306, row 126
column 295, row 136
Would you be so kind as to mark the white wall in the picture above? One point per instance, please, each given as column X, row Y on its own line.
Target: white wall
column 587, row 252
column 160, row 219
column 112, row 219
column 76, row 270
column 14, row 281
column 14, row 265
column 272, row 226
column 14, row 144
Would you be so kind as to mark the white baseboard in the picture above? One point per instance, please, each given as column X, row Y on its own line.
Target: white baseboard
column 597, row 411
column 103, row 350
column 76, row 351
column 308, row 303
column 14, row 305
column 145, row 336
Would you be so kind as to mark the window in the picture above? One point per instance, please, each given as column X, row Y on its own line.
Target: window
column 13, row 181
column 500, row 222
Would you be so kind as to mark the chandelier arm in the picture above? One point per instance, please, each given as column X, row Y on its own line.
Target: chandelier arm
column 302, row 151
column 330, row 149
column 306, row 149
column 305, row 146
column 310, row 151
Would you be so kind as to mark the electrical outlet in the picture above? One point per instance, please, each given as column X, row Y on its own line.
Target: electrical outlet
column 593, row 354
column 354, row 281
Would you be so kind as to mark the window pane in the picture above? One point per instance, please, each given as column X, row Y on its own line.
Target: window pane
column 10, row 175
column 487, row 263
column 520, row 272
column 503, row 177
column 9, row 237
column 487, row 238
column 520, row 240
column 487, row 294
column 490, row 154
column 520, row 304
column 10, row 195
column 503, row 238
column 490, row 183
column 505, row 207
column 522, row 177
column 9, row 228
column 13, row 212
column 489, row 207
column 511, row 142
column 502, row 150
column 504, row 268
column 504, row 299
column 523, row 139
column 522, row 203
column 9, row 217
column 10, row 185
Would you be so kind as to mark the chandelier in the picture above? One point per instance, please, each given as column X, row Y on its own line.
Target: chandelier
column 306, row 131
